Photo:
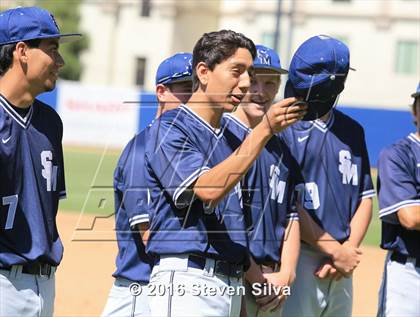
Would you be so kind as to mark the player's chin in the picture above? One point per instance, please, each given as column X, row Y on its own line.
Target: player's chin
column 256, row 110
column 230, row 106
column 49, row 85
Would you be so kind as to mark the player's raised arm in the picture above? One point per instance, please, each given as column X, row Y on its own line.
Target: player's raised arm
column 218, row 181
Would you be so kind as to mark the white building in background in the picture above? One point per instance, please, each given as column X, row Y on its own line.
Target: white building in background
column 130, row 38
column 383, row 37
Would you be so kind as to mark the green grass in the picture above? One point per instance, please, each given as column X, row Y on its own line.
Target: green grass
column 89, row 176
column 373, row 236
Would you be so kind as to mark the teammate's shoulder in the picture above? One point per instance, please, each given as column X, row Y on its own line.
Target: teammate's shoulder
column 345, row 120
column 396, row 151
column 231, row 122
column 46, row 110
column 174, row 117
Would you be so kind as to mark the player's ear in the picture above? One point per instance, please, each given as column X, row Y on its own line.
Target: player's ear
column 202, row 73
column 20, row 52
column 415, row 108
column 161, row 92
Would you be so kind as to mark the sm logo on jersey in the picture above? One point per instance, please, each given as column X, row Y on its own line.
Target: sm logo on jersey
column 238, row 191
column 277, row 187
column 347, row 168
column 49, row 171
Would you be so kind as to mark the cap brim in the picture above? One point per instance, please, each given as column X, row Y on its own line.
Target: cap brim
column 274, row 69
column 176, row 80
column 289, row 90
column 415, row 95
column 64, row 38
column 315, row 109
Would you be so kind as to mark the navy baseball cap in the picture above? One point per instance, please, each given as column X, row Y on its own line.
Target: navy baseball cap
column 175, row 69
column 28, row 23
column 267, row 58
column 317, row 73
column 417, row 93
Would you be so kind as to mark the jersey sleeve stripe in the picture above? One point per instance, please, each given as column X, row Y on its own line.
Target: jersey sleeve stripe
column 187, row 182
column 62, row 195
column 139, row 217
column 394, row 208
column 136, row 221
column 292, row 215
column 367, row 194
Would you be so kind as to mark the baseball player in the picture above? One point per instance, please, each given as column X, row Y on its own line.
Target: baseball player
column 31, row 162
column 335, row 195
column 128, row 295
column 269, row 184
column 197, row 229
column 399, row 204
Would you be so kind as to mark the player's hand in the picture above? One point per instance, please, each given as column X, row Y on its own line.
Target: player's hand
column 277, row 281
column 327, row 270
column 346, row 258
column 283, row 114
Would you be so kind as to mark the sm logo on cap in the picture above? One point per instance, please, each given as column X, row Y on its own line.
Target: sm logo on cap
column 264, row 57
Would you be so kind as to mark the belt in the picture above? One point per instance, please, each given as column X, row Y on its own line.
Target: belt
column 273, row 265
column 36, row 268
column 402, row 258
column 220, row 267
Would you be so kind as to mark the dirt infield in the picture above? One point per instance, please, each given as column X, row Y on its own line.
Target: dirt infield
column 84, row 276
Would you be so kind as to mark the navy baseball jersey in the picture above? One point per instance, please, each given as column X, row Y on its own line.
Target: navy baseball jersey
column 398, row 187
column 335, row 169
column 32, row 182
column 270, row 184
column 180, row 147
column 131, row 205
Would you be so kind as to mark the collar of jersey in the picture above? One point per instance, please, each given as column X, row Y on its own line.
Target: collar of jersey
column 23, row 122
column 238, row 122
column 202, row 121
column 324, row 126
column 413, row 137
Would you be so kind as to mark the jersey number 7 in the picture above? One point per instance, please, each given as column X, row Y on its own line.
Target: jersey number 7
column 12, row 202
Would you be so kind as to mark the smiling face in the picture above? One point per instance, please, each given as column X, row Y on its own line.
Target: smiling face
column 43, row 63
column 264, row 87
column 228, row 82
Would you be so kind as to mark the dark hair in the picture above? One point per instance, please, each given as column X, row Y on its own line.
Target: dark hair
column 215, row 47
column 6, row 54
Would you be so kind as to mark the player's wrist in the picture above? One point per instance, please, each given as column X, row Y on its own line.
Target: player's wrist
column 290, row 272
column 264, row 129
column 334, row 251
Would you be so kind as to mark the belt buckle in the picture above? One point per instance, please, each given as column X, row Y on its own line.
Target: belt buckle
column 229, row 269
column 47, row 272
column 238, row 271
